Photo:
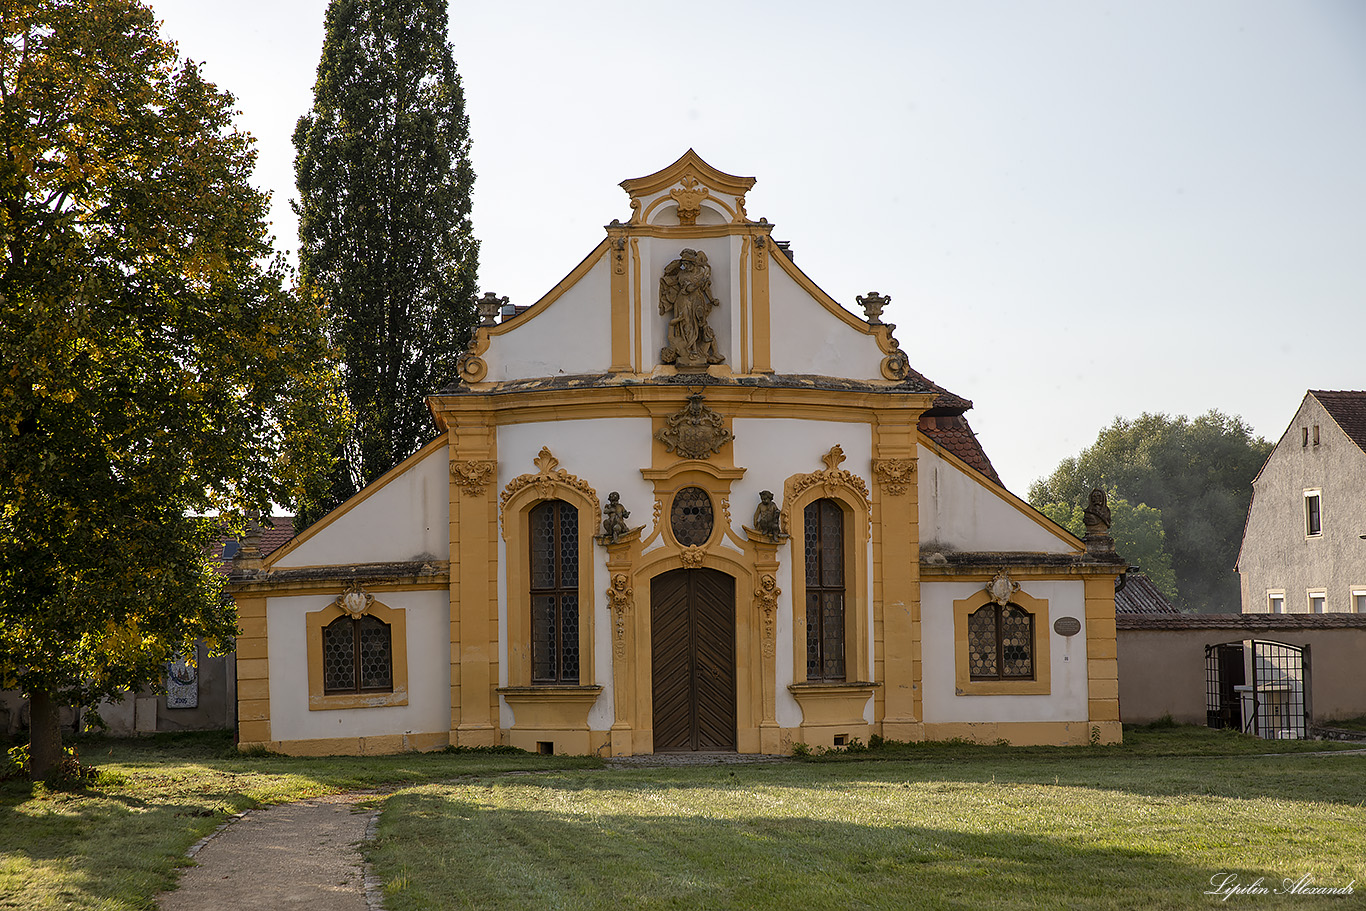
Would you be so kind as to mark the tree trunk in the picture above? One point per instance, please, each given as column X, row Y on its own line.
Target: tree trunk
column 45, row 735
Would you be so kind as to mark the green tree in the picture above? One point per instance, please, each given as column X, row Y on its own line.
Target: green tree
column 154, row 368
column 385, row 242
column 1137, row 530
column 1197, row 472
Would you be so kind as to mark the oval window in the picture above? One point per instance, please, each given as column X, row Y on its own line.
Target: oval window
column 691, row 518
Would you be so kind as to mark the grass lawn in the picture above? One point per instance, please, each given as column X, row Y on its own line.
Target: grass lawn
column 1144, row 825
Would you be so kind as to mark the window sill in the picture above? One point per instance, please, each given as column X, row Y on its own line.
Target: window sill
column 357, row 700
column 1003, row 688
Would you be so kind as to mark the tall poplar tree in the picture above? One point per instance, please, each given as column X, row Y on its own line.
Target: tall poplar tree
column 385, row 243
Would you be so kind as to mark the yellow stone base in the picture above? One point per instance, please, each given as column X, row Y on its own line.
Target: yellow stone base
column 353, row 746
column 552, row 718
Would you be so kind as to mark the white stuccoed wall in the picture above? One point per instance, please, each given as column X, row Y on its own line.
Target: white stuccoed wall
column 775, row 450
column 429, row 671
column 958, row 510
column 607, row 453
column 809, row 339
column 572, row 336
column 407, row 519
column 1066, row 702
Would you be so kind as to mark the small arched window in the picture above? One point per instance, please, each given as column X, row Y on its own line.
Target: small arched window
column 554, row 527
column 358, row 656
column 823, row 530
column 1001, row 643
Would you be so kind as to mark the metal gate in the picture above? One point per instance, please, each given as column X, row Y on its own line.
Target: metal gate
column 1274, row 705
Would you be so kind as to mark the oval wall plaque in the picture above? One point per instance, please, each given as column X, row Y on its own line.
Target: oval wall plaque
column 1067, row 626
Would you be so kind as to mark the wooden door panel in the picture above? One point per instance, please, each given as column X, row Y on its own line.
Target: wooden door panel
column 692, row 618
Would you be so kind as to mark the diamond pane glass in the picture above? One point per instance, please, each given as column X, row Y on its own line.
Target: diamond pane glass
column 832, row 543
column 542, row 532
column 1017, row 643
column 376, row 655
column 813, row 634
column 811, row 525
column 982, row 643
column 339, row 656
column 544, row 654
column 569, row 638
column 691, row 518
column 832, row 635
column 569, row 545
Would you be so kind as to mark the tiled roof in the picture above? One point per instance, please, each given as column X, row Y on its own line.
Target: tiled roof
column 1255, row 623
column 274, row 535
column 1348, row 409
column 1140, row 596
column 951, row 431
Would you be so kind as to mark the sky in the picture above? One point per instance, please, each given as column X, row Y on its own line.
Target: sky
column 1080, row 210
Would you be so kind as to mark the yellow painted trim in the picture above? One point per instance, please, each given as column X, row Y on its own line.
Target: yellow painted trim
column 688, row 163
column 253, row 674
column 1020, row 505
column 555, row 293
column 551, row 714
column 1023, row 733
column 398, row 639
column 744, row 305
column 639, row 362
column 515, row 512
column 353, row 746
column 758, row 274
column 857, row 533
column 360, row 497
column 1043, row 634
column 621, row 305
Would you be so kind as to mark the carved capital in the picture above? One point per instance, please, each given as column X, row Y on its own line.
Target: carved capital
column 473, row 475
column 766, row 600
column 894, row 474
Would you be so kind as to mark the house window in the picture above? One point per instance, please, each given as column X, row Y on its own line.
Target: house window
column 1317, row 600
column 357, row 656
column 1359, row 600
column 1313, row 519
column 824, row 533
column 554, row 593
column 1275, row 602
column 1001, row 643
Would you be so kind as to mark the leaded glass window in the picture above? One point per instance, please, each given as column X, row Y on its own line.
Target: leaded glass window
column 691, row 517
column 1001, row 643
column 358, row 656
column 823, row 529
column 554, row 533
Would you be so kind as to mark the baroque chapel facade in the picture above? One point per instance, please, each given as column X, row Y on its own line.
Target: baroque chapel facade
column 685, row 501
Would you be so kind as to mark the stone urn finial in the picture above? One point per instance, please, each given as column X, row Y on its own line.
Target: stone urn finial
column 872, row 304
column 489, row 306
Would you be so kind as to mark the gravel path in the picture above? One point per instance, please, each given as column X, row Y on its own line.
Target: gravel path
column 301, row 855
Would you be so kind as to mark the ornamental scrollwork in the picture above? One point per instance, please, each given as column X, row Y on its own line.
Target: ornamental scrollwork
column 695, row 432
column 473, row 475
column 1002, row 588
column 619, row 599
column 832, row 480
column 894, row 474
column 693, row 557
column 356, row 601
column 766, row 600
column 549, row 481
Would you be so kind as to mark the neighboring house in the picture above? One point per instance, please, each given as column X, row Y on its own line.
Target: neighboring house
column 686, row 501
column 194, row 696
column 1302, row 546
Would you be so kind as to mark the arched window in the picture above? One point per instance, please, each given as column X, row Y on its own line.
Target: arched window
column 554, row 527
column 1001, row 643
column 357, row 656
column 823, row 523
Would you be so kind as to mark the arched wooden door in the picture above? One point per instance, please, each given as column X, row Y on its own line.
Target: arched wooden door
column 692, row 646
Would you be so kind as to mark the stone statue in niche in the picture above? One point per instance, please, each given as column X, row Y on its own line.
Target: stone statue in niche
column 614, row 517
column 685, row 294
column 767, row 518
column 1097, row 513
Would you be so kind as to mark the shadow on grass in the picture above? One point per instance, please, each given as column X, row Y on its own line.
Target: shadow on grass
column 439, row 852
